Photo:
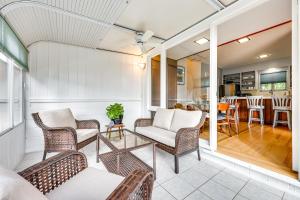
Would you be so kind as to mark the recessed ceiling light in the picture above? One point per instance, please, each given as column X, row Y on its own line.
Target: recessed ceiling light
column 243, row 40
column 262, row 56
column 202, row 41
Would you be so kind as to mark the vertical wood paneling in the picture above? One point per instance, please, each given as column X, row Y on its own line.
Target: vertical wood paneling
column 82, row 79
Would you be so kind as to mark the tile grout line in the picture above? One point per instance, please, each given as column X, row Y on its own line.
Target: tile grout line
column 195, row 188
column 238, row 193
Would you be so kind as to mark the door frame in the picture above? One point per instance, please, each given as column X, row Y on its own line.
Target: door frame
column 211, row 23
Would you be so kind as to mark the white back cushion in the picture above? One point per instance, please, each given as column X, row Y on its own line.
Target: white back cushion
column 185, row 119
column 89, row 184
column 163, row 118
column 58, row 118
column 14, row 187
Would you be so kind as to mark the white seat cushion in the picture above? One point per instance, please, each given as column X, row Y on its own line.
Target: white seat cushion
column 163, row 118
column 14, row 187
column 90, row 184
column 58, row 118
column 161, row 135
column 83, row 134
column 185, row 119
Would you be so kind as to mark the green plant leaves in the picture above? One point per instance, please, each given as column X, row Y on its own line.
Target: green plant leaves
column 114, row 111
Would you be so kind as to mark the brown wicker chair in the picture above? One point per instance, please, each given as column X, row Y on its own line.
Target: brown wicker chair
column 55, row 171
column 59, row 139
column 186, row 141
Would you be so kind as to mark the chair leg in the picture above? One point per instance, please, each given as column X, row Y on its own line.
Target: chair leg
column 275, row 118
column 176, row 164
column 44, row 155
column 250, row 117
column 289, row 119
column 237, row 127
column 261, row 116
column 198, row 152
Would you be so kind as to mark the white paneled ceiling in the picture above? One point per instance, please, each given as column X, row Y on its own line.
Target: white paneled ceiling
column 227, row 2
column 164, row 17
column 65, row 21
column 44, row 25
column 95, row 23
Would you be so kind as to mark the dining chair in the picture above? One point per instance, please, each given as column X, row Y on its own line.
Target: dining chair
column 223, row 118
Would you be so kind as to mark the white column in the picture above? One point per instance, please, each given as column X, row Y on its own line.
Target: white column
column 295, row 90
column 213, row 87
column 163, row 79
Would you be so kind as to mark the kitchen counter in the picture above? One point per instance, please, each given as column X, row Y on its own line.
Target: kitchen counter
column 264, row 97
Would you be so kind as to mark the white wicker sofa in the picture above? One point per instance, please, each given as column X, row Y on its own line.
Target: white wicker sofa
column 175, row 131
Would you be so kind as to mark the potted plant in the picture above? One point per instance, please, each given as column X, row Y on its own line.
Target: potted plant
column 115, row 113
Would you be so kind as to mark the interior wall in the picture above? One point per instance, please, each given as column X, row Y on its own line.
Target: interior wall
column 261, row 66
column 82, row 79
column 192, row 86
column 12, row 147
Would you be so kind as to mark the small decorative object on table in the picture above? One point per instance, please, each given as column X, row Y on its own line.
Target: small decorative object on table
column 115, row 113
column 119, row 128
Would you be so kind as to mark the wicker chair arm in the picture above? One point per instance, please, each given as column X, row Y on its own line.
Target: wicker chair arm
column 137, row 185
column 186, row 139
column 59, row 134
column 51, row 173
column 142, row 122
column 88, row 124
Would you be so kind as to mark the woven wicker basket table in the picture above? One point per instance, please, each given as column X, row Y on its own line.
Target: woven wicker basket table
column 119, row 159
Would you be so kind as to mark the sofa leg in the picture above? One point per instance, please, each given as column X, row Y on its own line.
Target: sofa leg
column 176, row 164
column 44, row 155
column 198, row 152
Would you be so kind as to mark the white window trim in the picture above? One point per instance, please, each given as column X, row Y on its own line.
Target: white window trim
column 10, row 85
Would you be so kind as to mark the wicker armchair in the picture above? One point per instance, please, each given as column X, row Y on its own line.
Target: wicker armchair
column 186, row 140
column 56, row 171
column 59, row 139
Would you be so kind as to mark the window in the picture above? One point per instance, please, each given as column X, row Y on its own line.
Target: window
column 4, row 96
column 11, row 94
column 273, row 81
column 17, row 96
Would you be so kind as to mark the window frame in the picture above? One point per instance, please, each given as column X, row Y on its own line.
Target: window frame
column 10, row 87
column 272, row 84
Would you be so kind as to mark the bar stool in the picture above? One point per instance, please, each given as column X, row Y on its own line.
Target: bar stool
column 282, row 104
column 255, row 104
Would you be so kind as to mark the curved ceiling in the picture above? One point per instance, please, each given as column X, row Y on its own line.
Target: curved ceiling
column 105, row 24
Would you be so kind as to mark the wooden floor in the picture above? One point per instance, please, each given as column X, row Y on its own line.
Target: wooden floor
column 261, row 145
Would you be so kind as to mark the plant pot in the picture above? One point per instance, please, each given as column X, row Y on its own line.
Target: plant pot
column 119, row 120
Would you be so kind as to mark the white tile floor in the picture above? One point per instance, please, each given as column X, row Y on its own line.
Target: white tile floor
column 203, row 179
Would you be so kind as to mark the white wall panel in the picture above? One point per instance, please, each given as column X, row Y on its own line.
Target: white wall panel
column 12, row 147
column 82, row 79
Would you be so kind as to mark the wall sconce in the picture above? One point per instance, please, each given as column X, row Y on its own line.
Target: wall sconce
column 142, row 62
column 142, row 65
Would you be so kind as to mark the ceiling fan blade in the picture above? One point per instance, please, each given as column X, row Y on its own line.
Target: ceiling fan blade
column 147, row 35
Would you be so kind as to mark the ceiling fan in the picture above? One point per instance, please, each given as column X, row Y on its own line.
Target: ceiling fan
column 143, row 41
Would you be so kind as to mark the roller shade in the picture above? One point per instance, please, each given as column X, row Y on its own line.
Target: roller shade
column 11, row 45
column 275, row 77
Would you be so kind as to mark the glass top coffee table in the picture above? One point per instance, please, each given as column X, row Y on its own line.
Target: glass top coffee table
column 119, row 159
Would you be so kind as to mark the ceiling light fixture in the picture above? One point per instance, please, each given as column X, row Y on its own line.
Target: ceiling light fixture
column 202, row 41
column 243, row 40
column 262, row 56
